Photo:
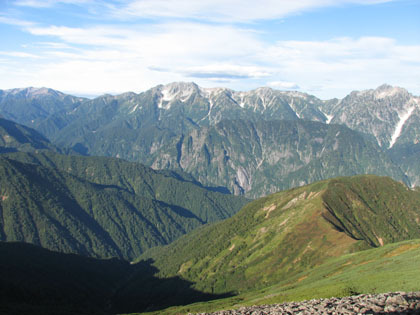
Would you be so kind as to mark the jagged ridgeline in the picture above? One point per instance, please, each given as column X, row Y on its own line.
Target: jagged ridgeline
column 257, row 158
column 293, row 231
column 101, row 207
column 207, row 132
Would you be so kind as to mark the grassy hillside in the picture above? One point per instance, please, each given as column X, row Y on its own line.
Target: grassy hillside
column 393, row 267
column 284, row 234
column 63, row 212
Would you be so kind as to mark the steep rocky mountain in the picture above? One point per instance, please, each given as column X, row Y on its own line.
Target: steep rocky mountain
column 154, row 128
column 389, row 114
column 279, row 236
column 113, row 208
column 164, row 112
column 256, row 158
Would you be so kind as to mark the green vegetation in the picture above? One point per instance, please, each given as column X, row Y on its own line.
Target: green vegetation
column 284, row 234
column 393, row 267
column 107, row 208
column 15, row 137
column 298, row 244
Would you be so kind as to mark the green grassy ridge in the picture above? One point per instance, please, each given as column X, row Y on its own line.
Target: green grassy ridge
column 377, row 211
column 59, row 211
column 393, row 267
column 286, row 233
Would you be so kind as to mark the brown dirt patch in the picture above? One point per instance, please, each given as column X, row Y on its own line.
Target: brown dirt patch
column 402, row 249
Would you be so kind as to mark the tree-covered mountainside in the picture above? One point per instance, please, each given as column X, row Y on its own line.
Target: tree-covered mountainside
column 115, row 209
column 308, row 242
column 289, row 232
column 15, row 137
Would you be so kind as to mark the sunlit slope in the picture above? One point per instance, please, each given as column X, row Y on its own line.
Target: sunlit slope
column 393, row 267
column 292, row 231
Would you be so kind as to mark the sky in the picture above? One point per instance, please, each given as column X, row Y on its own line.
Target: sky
column 326, row 48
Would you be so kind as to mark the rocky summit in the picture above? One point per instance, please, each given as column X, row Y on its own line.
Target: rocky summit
column 385, row 303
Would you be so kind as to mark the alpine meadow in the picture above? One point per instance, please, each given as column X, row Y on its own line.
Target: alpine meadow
column 209, row 158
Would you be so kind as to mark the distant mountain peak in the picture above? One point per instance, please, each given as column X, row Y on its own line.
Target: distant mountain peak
column 381, row 92
column 386, row 90
column 33, row 92
column 176, row 91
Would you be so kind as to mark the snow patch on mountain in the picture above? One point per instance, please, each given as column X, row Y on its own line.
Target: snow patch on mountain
column 176, row 91
column 329, row 117
column 403, row 118
column 292, row 105
column 134, row 109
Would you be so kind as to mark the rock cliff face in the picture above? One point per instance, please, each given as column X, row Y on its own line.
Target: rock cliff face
column 267, row 156
column 389, row 114
column 228, row 138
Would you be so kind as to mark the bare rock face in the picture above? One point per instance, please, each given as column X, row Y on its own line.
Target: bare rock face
column 389, row 114
column 386, row 303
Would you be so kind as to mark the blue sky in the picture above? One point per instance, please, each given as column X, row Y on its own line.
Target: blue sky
column 323, row 47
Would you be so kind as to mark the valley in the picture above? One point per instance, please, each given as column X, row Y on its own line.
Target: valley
column 189, row 199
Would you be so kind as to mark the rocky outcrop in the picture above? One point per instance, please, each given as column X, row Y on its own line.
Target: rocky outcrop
column 385, row 303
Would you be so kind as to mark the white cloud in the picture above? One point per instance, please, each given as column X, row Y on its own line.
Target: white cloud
column 128, row 56
column 16, row 22
column 284, row 85
column 225, row 71
column 18, row 54
column 228, row 11
column 345, row 63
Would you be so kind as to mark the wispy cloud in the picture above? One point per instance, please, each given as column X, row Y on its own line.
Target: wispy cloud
column 16, row 22
column 160, row 41
column 225, row 71
column 284, row 85
column 48, row 3
column 227, row 11
column 18, row 54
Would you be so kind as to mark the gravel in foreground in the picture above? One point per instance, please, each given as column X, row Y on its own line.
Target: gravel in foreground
column 385, row 303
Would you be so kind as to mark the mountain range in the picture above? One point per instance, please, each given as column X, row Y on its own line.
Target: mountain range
column 159, row 179
column 221, row 138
